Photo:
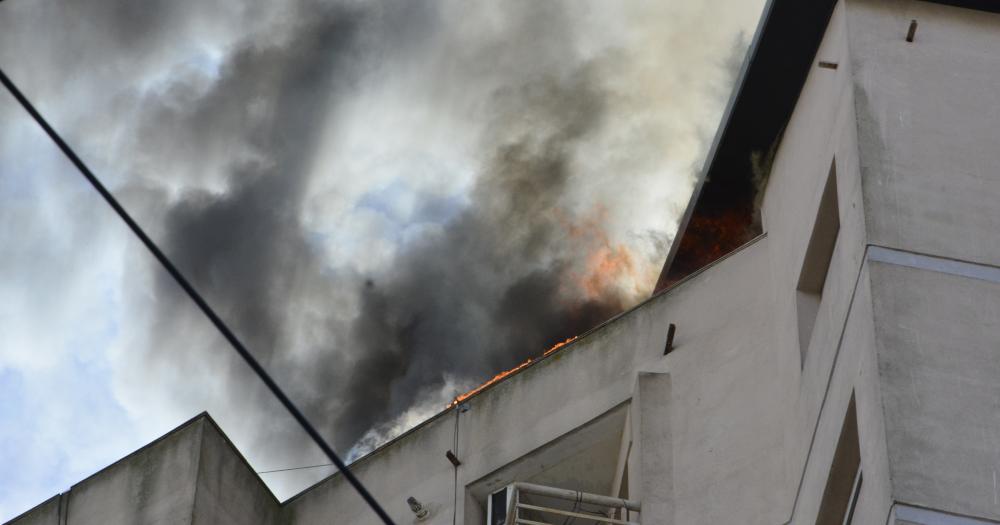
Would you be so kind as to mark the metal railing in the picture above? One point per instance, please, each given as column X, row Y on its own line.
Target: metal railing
column 615, row 506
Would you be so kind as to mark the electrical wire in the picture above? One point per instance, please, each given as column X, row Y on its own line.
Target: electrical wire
column 294, row 468
column 576, row 505
column 454, row 491
column 182, row 281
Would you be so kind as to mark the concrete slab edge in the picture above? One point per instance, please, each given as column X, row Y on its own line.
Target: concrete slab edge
column 934, row 263
column 922, row 516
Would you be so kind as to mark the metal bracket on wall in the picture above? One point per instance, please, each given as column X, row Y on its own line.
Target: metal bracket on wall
column 670, row 339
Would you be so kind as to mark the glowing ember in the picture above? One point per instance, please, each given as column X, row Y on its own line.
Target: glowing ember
column 708, row 238
column 462, row 397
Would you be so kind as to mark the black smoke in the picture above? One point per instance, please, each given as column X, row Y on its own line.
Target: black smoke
column 491, row 287
column 495, row 286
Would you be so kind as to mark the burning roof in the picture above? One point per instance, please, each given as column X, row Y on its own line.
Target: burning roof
column 723, row 212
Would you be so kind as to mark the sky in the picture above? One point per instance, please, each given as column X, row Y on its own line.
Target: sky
column 389, row 201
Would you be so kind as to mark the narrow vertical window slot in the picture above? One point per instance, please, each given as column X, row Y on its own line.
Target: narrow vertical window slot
column 816, row 264
column 843, row 484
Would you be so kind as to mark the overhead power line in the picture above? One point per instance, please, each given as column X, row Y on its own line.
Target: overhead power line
column 294, row 468
column 188, row 288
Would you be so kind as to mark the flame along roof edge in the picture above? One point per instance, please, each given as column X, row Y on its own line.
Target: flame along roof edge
column 447, row 410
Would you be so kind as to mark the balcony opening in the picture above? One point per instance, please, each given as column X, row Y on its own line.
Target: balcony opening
column 574, row 478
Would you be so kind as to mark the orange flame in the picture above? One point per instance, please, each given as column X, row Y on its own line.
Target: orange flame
column 610, row 271
column 557, row 346
column 499, row 377
column 607, row 267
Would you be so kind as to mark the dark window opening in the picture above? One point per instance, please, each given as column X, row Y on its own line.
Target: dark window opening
column 843, row 485
column 812, row 277
column 498, row 507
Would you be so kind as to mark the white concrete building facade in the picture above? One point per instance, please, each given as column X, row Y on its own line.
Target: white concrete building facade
column 841, row 367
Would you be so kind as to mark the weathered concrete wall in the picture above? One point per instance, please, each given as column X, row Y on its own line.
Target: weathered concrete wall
column 415, row 465
column 927, row 117
column 191, row 475
column 152, row 486
column 727, row 422
column 854, row 373
column 228, row 491
column 909, row 515
column 939, row 357
column 653, row 460
column 902, row 176
column 928, row 114
column 720, row 413
column 820, row 141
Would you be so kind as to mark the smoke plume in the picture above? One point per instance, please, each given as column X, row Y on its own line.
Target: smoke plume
column 388, row 201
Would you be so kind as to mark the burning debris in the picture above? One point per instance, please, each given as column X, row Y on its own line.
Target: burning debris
column 708, row 238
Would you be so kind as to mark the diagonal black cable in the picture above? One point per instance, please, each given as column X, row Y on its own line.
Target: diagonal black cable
column 197, row 298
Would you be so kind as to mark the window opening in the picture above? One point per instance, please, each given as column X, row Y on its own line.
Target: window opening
column 816, row 264
column 843, row 485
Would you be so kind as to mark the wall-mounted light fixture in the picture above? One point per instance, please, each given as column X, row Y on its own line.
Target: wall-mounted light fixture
column 417, row 508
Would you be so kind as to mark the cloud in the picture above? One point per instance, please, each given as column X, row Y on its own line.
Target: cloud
column 59, row 301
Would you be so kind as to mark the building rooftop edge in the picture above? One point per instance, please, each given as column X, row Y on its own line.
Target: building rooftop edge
column 656, row 296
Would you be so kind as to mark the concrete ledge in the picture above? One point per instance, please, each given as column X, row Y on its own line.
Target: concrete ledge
column 909, row 515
